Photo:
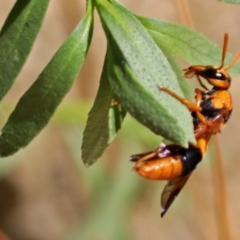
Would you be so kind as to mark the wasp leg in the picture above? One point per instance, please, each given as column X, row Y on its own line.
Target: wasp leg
column 193, row 107
column 199, row 96
column 212, row 127
column 142, row 157
column 190, row 72
column 201, row 83
column 162, row 151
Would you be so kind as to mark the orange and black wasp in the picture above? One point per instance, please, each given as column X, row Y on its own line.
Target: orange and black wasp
column 210, row 113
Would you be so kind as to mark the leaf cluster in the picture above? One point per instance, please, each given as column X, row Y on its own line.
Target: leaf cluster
column 141, row 55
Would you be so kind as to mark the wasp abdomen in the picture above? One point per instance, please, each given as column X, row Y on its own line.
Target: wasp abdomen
column 190, row 159
column 181, row 162
column 160, row 168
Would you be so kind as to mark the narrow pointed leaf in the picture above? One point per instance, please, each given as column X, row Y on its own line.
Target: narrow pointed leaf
column 150, row 69
column 38, row 104
column 125, row 83
column 103, row 122
column 179, row 73
column 17, row 37
column 117, row 114
column 186, row 43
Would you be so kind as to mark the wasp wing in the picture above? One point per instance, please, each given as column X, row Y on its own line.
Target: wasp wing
column 170, row 192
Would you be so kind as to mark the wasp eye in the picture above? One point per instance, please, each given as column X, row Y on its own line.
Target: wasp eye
column 213, row 73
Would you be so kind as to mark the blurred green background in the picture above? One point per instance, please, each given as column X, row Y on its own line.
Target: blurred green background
column 47, row 193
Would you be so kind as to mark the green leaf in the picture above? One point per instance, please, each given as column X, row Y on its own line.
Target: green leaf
column 186, row 43
column 103, row 122
column 148, row 68
column 17, row 37
column 117, row 114
column 38, row 104
column 230, row 1
column 128, row 89
column 175, row 67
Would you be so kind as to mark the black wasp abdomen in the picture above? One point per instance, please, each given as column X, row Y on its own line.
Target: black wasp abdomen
column 190, row 158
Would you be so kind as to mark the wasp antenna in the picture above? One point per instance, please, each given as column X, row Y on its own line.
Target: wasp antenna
column 224, row 51
column 233, row 62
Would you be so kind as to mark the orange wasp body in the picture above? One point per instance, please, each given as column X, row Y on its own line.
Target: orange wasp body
column 210, row 114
